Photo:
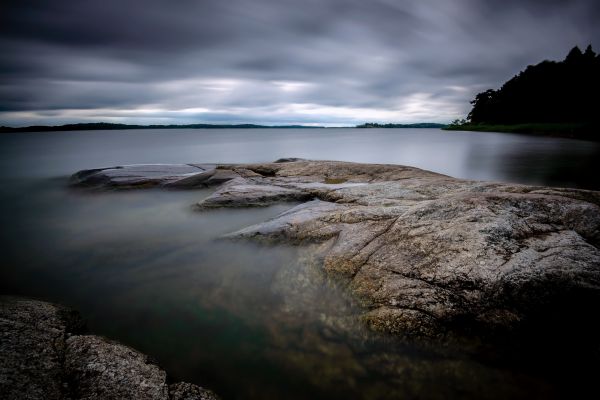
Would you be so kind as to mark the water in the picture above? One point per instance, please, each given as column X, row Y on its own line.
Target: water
column 248, row 321
column 470, row 155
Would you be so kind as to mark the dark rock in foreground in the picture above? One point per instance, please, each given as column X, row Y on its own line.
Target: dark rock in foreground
column 426, row 253
column 43, row 355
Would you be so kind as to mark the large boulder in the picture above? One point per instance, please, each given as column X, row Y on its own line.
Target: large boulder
column 43, row 355
column 427, row 254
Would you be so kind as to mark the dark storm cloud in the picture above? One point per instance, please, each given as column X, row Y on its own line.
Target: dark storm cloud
column 320, row 61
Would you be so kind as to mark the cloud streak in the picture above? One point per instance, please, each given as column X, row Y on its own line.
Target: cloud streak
column 266, row 61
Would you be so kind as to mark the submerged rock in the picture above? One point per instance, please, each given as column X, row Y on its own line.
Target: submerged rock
column 427, row 254
column 43, row 355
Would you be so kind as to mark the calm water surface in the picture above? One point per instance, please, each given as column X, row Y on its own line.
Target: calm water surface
column 470, row 155
column 248, row 321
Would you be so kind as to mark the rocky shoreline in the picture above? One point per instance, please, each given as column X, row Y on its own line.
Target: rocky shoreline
column 427, row 255
column 45, row 354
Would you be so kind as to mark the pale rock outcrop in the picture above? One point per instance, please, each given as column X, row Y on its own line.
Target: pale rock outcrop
column 425, row 253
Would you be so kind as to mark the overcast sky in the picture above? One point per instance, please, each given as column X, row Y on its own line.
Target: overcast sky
column 325, row 62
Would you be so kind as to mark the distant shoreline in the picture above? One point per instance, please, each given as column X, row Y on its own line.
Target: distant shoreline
column 421, row 125
column 109, row 126
column 571, row 131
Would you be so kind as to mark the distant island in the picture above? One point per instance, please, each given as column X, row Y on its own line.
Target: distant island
column 420, row 125
column 555, row 98
column 108, row 126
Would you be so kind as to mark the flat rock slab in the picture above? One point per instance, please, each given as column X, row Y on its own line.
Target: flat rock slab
column 43, row 357
column 137, row 176
column 243, row 193
column 209, row 177
column 426, row 253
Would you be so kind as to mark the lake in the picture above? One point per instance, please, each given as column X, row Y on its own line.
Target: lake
column 248, row 321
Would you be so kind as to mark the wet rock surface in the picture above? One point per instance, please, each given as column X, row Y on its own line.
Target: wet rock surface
column 137, row 176
column 43, row 355
column 427, row 254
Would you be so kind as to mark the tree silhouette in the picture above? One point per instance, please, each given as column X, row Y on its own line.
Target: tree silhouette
column 549, row 92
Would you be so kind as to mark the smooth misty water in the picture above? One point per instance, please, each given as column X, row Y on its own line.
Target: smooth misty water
column 469, row 155
column 249, row 321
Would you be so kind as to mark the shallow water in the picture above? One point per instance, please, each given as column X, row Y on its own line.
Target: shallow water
column 248, row 321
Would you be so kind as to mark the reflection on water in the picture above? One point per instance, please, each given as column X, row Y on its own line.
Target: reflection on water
column 249, row 321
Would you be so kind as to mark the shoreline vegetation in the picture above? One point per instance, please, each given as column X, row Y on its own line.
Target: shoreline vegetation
column 565, row 130
column 553, row 98
column 402, row 126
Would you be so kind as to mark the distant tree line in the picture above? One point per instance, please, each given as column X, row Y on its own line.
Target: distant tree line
column 109, row 126
column 418, row 125
column 550, row 92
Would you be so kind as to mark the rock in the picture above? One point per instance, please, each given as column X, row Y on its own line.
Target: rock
column 427, row 254
column 188, row 391
column 208, row 178
column 100, row 369
column 44, row 357
column 241, row 192
column 138, row 176
column 289, row 159
column 303, row 215
column 32, row 348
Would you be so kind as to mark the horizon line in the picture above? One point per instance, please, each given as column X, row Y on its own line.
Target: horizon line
column 200, row 125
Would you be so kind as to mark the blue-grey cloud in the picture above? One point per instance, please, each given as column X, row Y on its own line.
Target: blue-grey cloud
column 275, row 61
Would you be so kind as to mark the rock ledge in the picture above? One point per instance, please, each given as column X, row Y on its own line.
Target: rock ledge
column 427, row 254
column 44, row 355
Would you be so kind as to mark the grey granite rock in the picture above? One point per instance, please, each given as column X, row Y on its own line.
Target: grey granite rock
column 32, row 348
column 241, row 192
column 188, row 391
column 210, row 177
column 137, row 176
column 426, row 253
column 100, row 369
column 42, row 356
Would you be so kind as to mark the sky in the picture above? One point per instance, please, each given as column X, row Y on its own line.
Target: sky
column 312, row 62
